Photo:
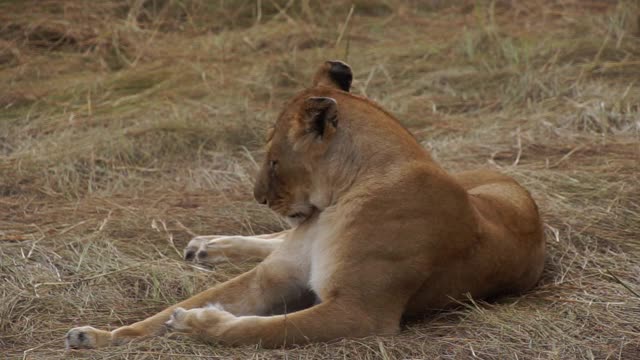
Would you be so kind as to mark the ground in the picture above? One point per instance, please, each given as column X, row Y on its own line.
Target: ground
column 127, row 127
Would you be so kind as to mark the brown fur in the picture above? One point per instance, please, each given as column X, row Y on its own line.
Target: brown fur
column 380, row 230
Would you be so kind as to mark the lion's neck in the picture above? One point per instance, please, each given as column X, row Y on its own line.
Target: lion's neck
column 358, row 161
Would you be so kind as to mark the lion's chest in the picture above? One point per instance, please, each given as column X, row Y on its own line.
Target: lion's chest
column 323, row 266
column 321, row 257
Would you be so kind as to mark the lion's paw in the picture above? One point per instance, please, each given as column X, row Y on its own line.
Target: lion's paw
column 207, row 318
column 87, row 337
column 177, row 321
column 208, row 249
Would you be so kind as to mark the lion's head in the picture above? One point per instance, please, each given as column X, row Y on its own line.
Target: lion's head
column 300, row 137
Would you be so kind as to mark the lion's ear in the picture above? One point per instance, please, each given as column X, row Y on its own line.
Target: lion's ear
column 320, row 117
column 334, row 73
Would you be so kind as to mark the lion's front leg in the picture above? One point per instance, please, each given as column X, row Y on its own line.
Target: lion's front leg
column 215, row 249
column 258, row 291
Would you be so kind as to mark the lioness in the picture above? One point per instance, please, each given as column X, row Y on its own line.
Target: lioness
column 379, row 230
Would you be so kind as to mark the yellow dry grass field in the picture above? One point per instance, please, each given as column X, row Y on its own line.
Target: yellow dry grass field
column 129, row 126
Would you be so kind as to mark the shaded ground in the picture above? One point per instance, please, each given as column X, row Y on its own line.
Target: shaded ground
column 129, row 126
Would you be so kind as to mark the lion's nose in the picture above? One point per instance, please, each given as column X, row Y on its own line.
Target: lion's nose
column 260, row 197
column 261, row 189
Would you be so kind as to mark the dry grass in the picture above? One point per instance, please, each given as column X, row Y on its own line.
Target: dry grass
column 127, row 126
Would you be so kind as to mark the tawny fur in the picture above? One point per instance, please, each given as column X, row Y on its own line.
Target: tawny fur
column 380, row 230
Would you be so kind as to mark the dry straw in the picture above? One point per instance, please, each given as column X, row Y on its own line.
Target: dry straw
column 127, row 126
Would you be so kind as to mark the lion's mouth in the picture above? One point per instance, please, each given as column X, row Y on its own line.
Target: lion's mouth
column 297, row 215
column 294, row 214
